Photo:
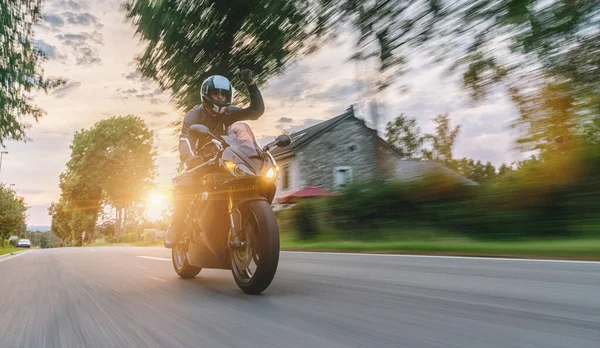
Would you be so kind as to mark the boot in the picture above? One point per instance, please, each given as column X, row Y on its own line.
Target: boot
column 177, row 226
column 173, row 235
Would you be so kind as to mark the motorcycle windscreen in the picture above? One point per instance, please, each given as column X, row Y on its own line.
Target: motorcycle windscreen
column 240, row 136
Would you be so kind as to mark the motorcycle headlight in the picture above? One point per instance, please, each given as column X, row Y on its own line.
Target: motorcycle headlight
column 271, row 174
column 238, row 170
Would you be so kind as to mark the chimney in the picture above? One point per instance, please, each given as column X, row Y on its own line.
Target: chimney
column 374, row 115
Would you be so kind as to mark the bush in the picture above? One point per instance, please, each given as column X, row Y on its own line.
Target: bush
column 127, row 238
column 306, row 219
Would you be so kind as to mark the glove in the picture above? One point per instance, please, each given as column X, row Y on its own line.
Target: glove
column 193, row 161
column 247, row 76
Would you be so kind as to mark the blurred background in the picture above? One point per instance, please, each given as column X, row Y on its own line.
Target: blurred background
column 467, row 127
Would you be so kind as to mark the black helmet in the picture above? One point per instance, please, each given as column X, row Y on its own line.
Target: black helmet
column 216, row 83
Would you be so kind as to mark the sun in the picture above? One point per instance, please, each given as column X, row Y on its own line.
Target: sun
column 156, row 203
column 155, row 200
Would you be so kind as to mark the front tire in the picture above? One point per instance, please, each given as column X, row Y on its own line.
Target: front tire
column 261, row 233
column 181, row 265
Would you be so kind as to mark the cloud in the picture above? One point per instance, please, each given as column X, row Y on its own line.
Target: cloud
column 294, row 129
column 38, row 216
column 76, row 40
column 70, row 4
column 348, row 89
column 53, row 20
column 65, row 89
column 85, row 19
column 49, row 50
column 133, row 76
column 158, row 113
column 80, row 43
column 147, row 83
column 152, row 96
column 87, row 56
column 292, row 87
column 31, row 191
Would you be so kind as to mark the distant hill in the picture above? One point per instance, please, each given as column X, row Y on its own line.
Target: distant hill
column 38, row 228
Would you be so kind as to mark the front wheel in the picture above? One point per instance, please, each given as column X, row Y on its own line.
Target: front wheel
column 254, row 265
column 181, row 265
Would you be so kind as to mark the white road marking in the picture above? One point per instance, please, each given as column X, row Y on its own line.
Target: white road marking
column 443, row 257
column 155, row 258
column 93, row 250
column 155, row 278
column 17, row 255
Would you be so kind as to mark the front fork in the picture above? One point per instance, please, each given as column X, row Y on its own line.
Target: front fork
column 235, row 220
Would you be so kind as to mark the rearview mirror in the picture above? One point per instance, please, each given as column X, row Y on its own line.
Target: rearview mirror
column 283, row 140
column 199, row 129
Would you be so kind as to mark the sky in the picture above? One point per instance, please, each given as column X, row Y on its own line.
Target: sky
column 93, row 47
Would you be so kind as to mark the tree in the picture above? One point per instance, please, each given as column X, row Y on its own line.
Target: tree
column 442, row 142
column 20, row 67
column 12, row 212
column 519, row 42
column 60, row 212
column 44, row 240
column 112, row 162
column 504, row 169
column 405, row 136
column 188, row 40
column 476, row 171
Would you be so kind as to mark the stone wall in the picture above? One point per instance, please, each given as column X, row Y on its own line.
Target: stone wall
column 387, row 160
column 349, row 144
column 296, row 181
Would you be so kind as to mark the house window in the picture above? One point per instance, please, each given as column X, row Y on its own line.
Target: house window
column 342, row 176
column 285, row 177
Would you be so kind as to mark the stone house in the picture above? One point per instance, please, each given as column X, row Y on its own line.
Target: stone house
column 341, row 150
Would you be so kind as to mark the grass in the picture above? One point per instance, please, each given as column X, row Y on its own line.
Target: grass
column 583, row 249
column 432, row 244
column 101, row 242
column 8, row 250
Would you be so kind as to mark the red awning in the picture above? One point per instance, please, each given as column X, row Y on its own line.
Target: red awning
column 306, row 192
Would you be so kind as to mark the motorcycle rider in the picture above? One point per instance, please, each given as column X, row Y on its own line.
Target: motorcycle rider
column 216, row 113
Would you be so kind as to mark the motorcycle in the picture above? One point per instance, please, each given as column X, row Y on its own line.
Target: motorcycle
column 230, row 222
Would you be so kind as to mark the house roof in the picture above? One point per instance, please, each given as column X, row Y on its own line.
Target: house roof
column 306, row 192
column 304, row 136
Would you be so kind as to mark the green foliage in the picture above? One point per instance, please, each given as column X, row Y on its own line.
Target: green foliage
column 477, row 171
column 44, row 241
column 194, row 39
column 442, row 142
column 545, row 38
column 306, row 219
column 405, row 136
column 12, row 212
column 188, row 40
column 127, row 238
column 112, row 162
column 526, row 203
column 20, row 70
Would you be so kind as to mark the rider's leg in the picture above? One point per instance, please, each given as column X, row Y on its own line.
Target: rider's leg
column 182, row 196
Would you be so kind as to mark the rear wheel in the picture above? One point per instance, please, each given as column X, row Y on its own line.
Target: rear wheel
column 254, row 265
column 181, row 265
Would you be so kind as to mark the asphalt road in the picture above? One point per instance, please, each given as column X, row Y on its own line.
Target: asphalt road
column 131, row 297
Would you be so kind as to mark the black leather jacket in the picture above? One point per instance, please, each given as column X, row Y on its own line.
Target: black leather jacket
column 217, row 124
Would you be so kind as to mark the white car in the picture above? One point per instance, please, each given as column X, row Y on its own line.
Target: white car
column 24, row 243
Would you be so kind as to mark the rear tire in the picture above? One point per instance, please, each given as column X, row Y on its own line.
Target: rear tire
column 181, row 265
column 267, row 245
